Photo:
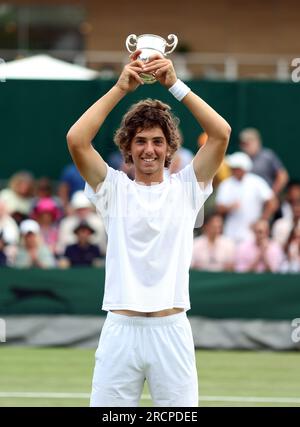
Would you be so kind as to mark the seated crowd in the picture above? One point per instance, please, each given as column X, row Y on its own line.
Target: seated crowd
column 252, row 222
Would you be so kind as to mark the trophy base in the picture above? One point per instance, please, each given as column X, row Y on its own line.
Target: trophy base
column 148, row 78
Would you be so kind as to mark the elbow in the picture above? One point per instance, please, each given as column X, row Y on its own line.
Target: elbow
column 223, row 134
column 70, row 137
column 226, row 132
column 74, row 142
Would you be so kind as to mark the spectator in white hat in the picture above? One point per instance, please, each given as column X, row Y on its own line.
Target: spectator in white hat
column 32, row 252
column 243, row 198
column 82, row 210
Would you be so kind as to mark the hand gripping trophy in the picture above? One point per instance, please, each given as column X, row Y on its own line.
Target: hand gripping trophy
column 150, row 44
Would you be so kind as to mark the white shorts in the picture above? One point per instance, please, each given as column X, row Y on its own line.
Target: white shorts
column 159, row 350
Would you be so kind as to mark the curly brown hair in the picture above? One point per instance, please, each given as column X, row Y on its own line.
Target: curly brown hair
column 148, row 114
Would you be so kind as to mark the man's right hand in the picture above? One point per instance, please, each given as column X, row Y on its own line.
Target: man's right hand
column 130, row 78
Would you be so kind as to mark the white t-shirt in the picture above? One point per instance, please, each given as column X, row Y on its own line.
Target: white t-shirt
column 150, row 239
column 251, row 192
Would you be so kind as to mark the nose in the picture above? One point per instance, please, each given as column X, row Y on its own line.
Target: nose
column 149, row 147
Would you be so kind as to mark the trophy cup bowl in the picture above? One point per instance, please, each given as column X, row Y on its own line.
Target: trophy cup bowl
column 150, row 44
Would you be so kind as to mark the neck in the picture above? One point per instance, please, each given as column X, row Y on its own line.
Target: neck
column 149, row 179
column 212, row 237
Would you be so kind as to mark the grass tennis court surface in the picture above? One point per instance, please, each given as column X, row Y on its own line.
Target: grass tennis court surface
column 62, row 377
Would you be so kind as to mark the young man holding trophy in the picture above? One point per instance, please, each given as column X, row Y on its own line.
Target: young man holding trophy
column 149, row 223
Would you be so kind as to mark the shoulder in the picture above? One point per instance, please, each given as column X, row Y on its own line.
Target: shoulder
column 6, row 192
column 275, row 246
column 94, row 248
column 44, row 250
column 283, row 222
column 71, row 248
column 245, row 246
column 226, row 183
column 252, row 178
column 268, row 153
column 112, row 179
column 226, row 241
column 200, row 241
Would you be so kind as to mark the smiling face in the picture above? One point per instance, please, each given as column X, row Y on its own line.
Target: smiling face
column 149, row 149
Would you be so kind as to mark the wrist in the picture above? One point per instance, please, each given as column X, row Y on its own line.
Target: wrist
column 171, row 83
column 179, row 90
column 119, row 90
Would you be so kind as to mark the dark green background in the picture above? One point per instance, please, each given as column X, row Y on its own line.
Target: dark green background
column 36, row 115
column 213, row 295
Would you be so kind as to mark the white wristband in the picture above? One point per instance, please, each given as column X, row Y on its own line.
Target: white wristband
column 179, row 90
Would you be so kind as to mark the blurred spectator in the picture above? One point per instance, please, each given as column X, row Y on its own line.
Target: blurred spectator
column 32, row 252
column 47, row 214
column 260, row 254
column 224, row 170
column 181, row 158
column 291, row 196
column 116, row 161
column 282, row 227
column 3, row 258
column 212, row 251
column 44, row 188
column 18, row 197
column 70, row 181
column 265, row 162
column 8, row 225
column 243, row 198
column 82, row 210
column 82, row 253
column 291, row 264
column 10, row 233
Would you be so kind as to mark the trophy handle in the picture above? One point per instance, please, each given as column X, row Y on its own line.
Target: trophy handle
column 129, row 44
column 173, row 44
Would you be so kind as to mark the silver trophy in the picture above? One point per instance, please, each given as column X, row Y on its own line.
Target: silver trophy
column 150, row 44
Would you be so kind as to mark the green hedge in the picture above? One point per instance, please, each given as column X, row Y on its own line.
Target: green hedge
column 213, row 295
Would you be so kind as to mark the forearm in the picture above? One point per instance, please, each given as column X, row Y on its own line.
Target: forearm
column 213, row 124
column 269, row 209
column 280, row 181
column 88, row 125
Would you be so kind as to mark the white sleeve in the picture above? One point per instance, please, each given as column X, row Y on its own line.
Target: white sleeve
column 265, row 191
column 195, row 191
column 104, row 198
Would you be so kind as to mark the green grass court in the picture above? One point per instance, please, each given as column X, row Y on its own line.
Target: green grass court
column 62, row 377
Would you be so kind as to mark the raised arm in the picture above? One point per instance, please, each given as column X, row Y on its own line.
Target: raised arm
column 80, row 136
column 209, row 157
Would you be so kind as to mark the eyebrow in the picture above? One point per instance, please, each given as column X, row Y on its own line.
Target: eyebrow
column 143, row 138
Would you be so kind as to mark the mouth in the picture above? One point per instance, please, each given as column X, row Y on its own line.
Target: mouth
column 148, row 160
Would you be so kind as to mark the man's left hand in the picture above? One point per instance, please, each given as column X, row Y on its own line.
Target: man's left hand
column 162, row 69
